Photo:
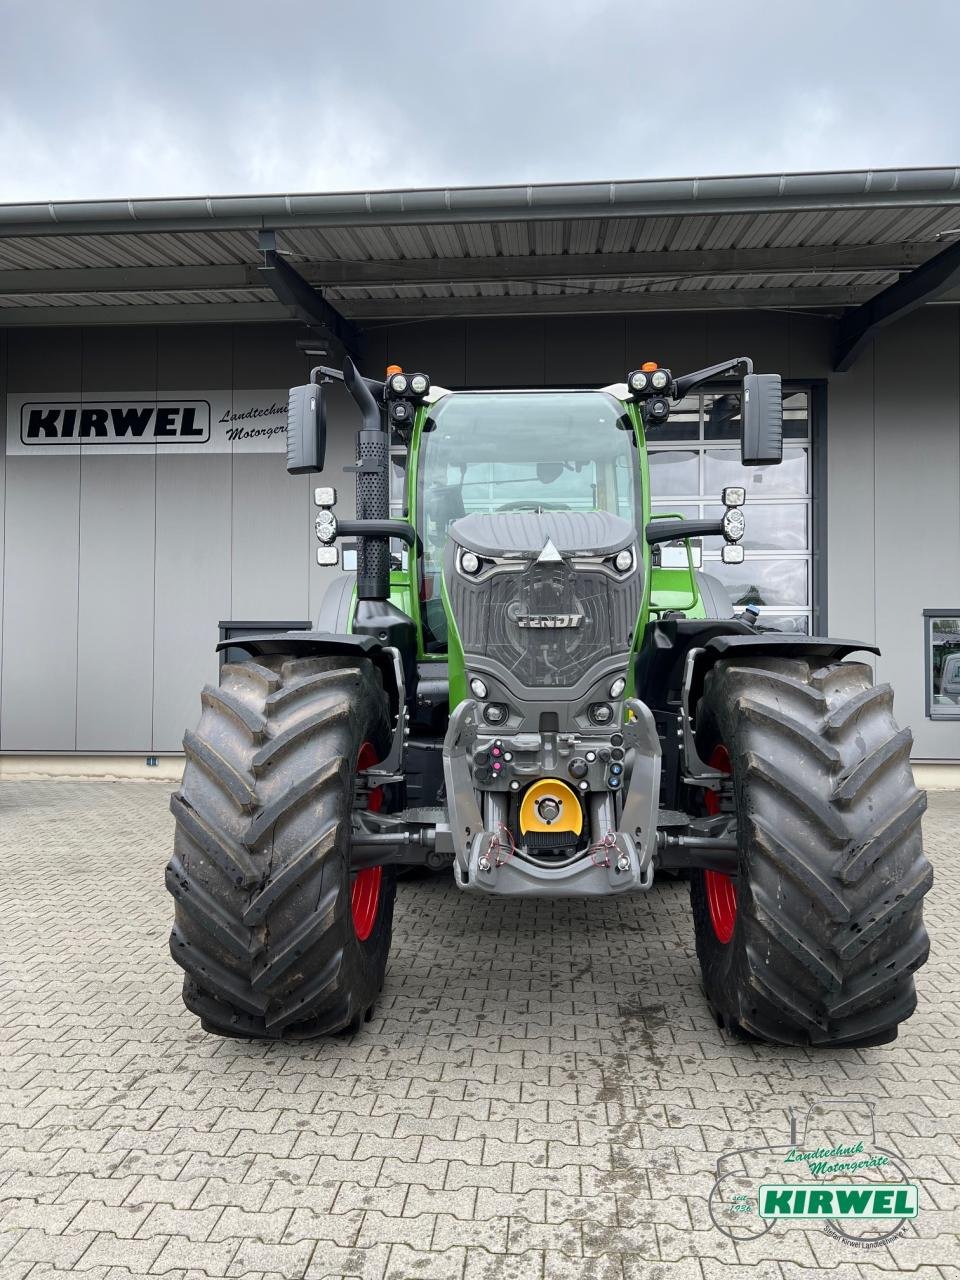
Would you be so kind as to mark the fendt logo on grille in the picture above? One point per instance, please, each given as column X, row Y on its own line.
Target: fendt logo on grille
column 107, row 422
column 553, row 621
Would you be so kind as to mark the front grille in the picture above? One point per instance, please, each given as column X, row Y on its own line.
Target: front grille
column 488, row 614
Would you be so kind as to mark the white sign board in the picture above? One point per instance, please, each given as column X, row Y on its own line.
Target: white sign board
column 39, row 425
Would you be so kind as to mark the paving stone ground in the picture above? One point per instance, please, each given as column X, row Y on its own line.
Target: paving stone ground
column 541, row 1093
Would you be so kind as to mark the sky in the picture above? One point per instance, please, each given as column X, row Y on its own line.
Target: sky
column 121, row 98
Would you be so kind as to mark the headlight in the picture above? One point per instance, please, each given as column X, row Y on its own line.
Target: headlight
column 600, row 712
column 399, row 383
column 734, row 524
column 326, row 526
column 617, row 687
column 624, row 560
column 469, row 563
column 637, row 381
column 478, row 688
column 495, row 713
column 419, row 383
column 734, row 495
column 659, row 380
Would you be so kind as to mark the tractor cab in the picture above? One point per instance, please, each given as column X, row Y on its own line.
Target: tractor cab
column 516, row 452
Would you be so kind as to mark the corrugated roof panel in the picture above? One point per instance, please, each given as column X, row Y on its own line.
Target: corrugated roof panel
column 479, row 239
column 411, row 242
column 307, row 243
column 687, row 233
column 444, row 240
column 548, row 237
column 581, row 235
column 343, row 243
column 652, row 234
column 513, row 238
column 723, row 233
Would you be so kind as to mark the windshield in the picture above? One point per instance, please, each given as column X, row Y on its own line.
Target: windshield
column 520, row 451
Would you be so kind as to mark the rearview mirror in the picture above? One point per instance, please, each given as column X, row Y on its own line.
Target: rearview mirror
column 761, row 412
column 306, row 429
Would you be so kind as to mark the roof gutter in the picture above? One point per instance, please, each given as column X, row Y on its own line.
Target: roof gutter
column 867, row 189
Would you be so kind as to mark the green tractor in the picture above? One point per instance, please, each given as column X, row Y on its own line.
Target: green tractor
column 532, row 699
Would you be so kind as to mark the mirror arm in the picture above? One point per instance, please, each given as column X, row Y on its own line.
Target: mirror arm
column 737, row 367
column 323, row 373
column 674, row 530
column 380, row 529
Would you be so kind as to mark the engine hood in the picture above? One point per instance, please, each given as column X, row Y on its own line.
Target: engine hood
column 526, row 533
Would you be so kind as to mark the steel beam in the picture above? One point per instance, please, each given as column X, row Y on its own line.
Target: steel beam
column 793, row 259
column 129, row 279
column 601, row 303
column 304, row 301
column 934, row 279
column 800, row 259
column 143, row 313
column 605, row 301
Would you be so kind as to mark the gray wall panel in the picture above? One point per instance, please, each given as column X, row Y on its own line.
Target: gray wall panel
column 810, row 345
column 193, row 512
column 117, row 557
column 272, row 540
column 438, row 349
column 41, row 576
column 46, row 360
column 115, row 625
column 678, row 342
column 194, row 355
column 585, row 354
column 3, row 490
column 38, row 695
column 505, row 355
column 749, row 333
column 851, row 568
column 917, row 475
column 192, row 590
column 266, row 355
column 120, row 359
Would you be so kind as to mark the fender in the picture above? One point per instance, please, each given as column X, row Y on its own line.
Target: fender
column 661, row 659
column 769, row 644
column 306, row 644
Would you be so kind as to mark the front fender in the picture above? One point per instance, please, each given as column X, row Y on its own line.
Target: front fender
column 767, row 644
column 305, row 644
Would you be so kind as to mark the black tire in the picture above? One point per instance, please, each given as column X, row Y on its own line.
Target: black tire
column 260, row 870
column 828, row 929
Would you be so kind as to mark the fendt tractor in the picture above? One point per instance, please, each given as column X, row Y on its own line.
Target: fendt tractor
column 535, row 696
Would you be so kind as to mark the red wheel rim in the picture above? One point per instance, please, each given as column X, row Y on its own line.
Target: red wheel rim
column 721, row 890
column 365, row 886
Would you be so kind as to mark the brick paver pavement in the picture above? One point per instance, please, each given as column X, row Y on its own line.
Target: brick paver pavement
column 541, row 1093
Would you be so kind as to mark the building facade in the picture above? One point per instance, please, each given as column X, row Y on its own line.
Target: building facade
column 144, row 498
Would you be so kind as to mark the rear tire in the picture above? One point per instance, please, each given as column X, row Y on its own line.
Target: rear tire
column 264, row 925
column 827, row 925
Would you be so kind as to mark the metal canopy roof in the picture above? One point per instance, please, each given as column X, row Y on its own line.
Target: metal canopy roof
column 819, row 240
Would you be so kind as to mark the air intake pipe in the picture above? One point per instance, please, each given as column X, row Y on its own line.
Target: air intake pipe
column 373, row 488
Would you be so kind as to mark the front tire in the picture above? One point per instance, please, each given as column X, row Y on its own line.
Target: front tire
column 277, row 938
column 817, row 940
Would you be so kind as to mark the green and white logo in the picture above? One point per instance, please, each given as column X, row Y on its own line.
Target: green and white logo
column 839, row 1200
column 832, row 1170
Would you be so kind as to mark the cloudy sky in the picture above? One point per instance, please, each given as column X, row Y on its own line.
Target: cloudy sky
column 107, row 98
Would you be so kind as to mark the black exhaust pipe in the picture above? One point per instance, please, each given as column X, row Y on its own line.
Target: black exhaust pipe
column 375, row 615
